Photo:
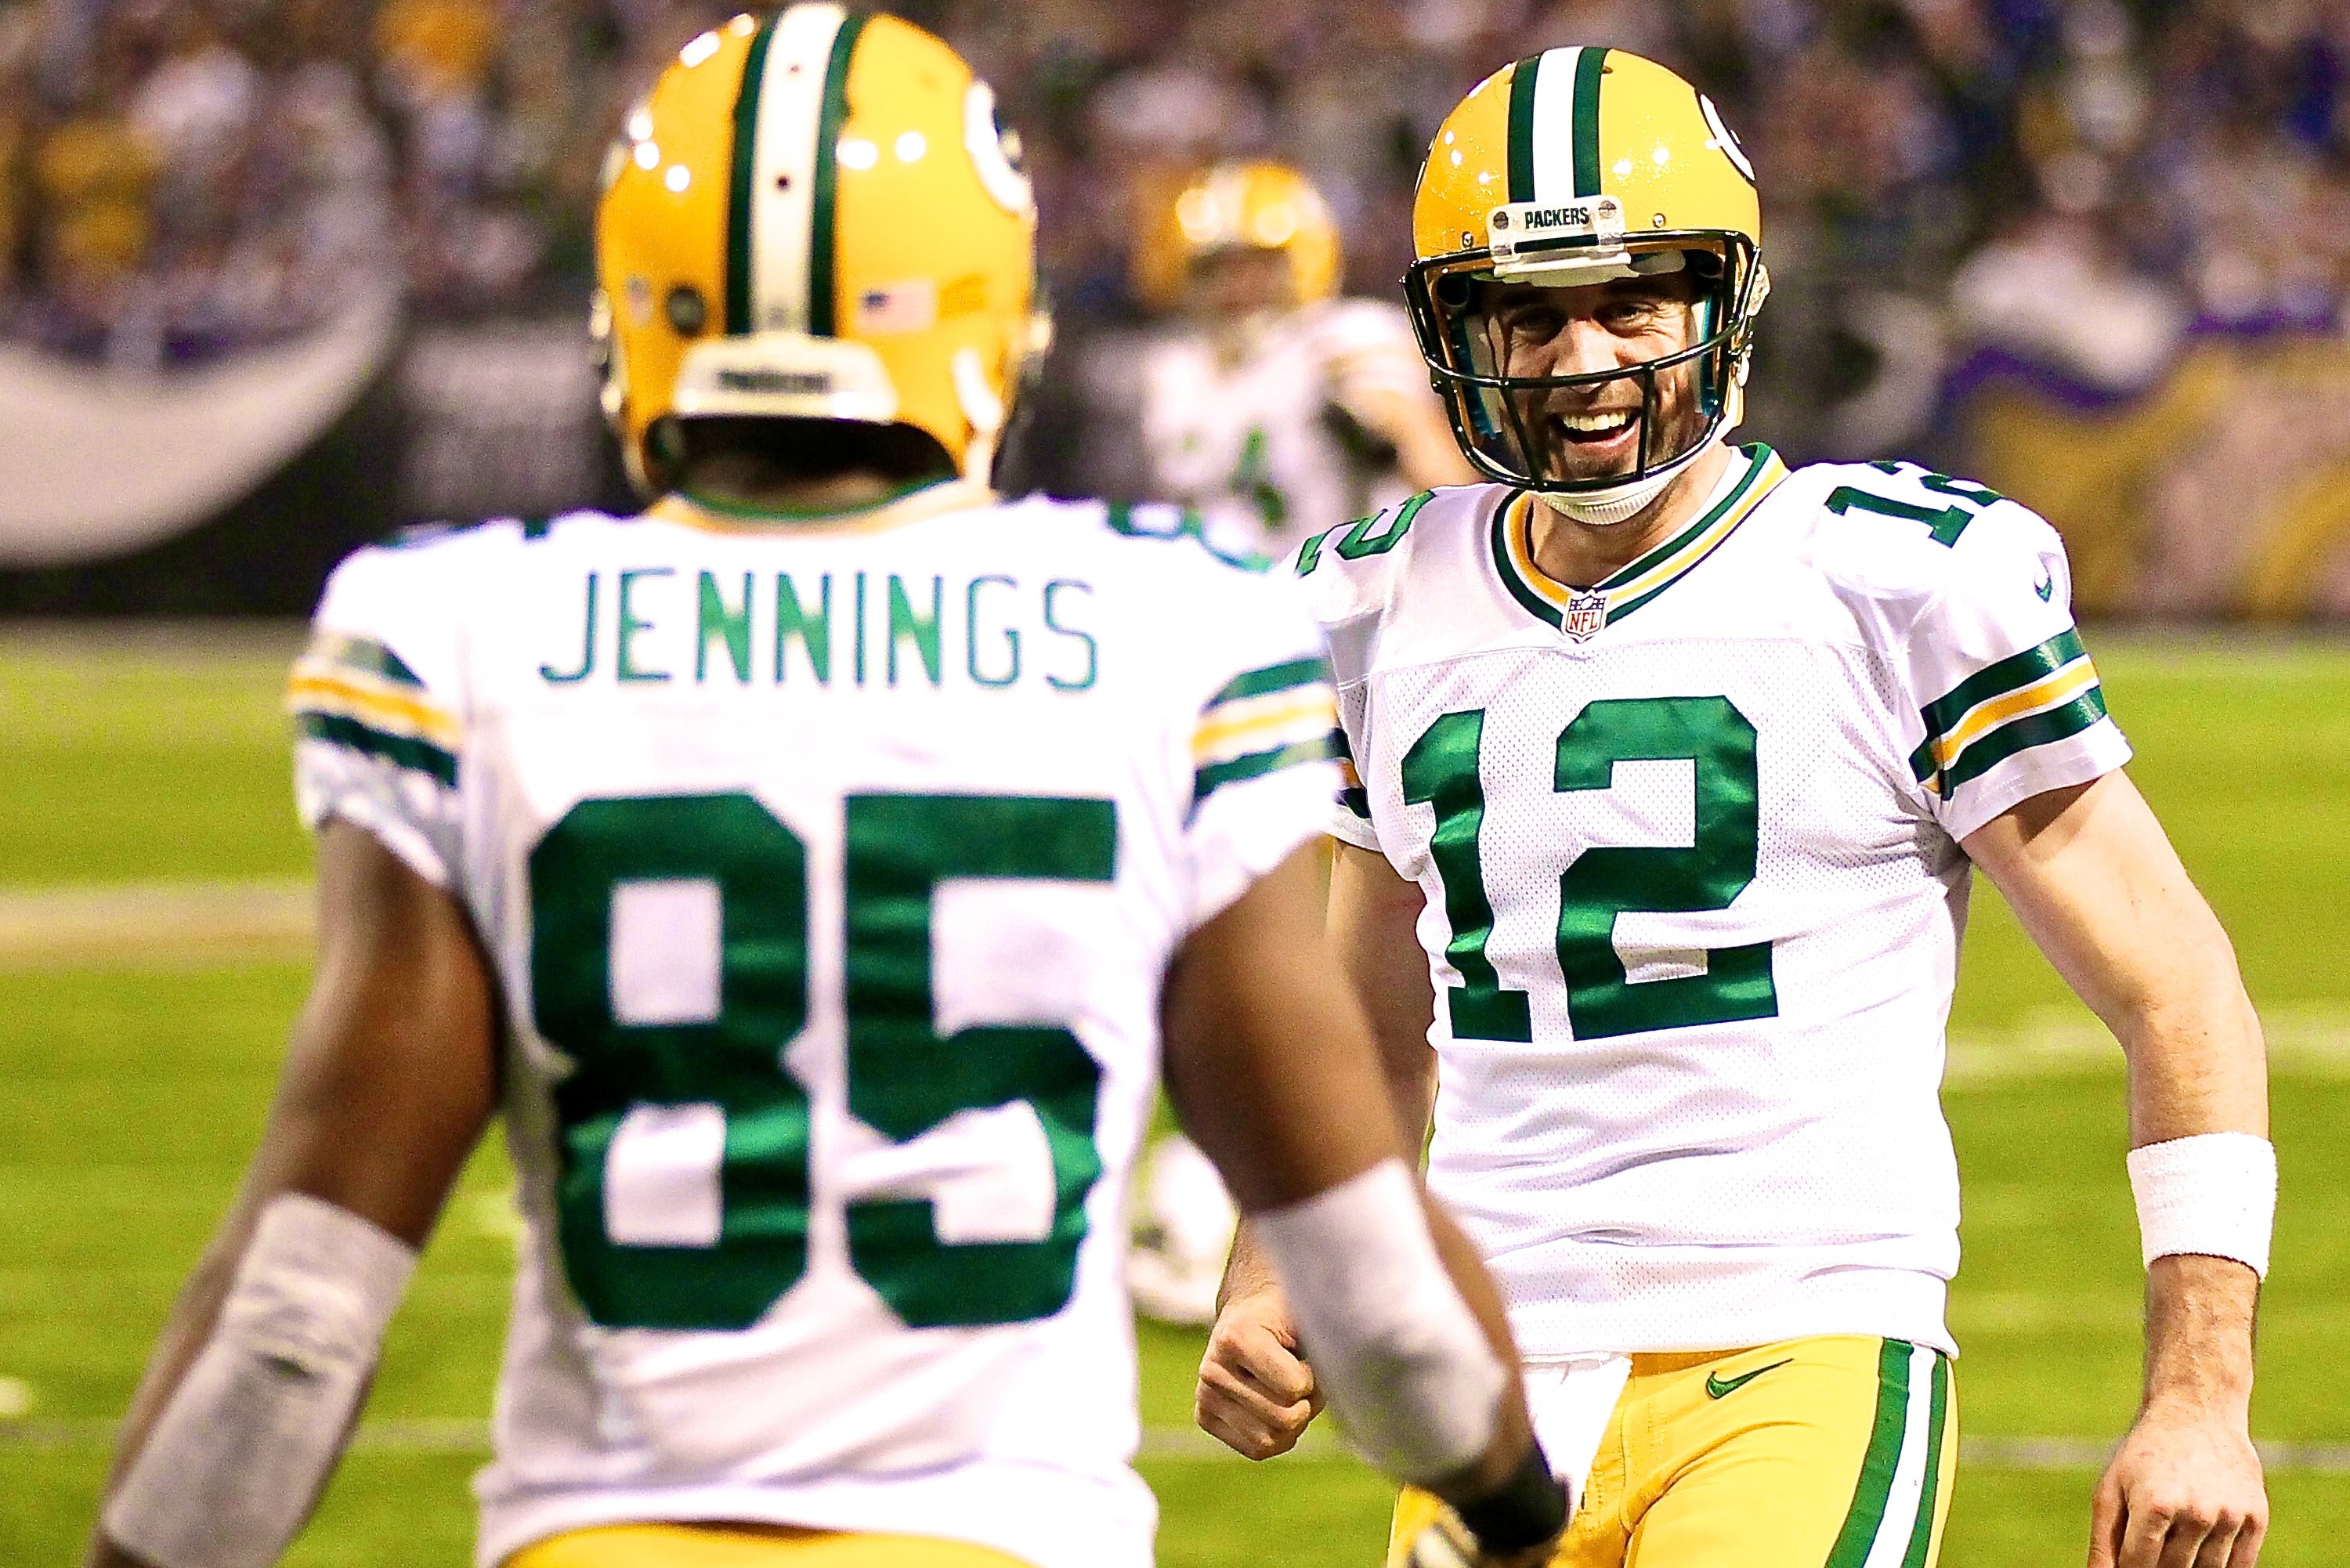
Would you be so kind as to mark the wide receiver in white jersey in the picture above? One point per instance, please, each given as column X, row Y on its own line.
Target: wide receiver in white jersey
column 1674, row 763
column 1276, row 407
column 803, row 870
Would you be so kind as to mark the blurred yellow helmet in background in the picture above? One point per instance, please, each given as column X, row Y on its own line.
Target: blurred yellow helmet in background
column 1574, row 166
column 816, row 217
column 1239, row 206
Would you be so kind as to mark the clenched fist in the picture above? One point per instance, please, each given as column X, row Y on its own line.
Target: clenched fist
column 1256, row 1393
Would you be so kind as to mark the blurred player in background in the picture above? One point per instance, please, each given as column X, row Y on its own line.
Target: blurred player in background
column 803, row 869
column 1277, row 408
column 1277, row 411
column 1672, row 768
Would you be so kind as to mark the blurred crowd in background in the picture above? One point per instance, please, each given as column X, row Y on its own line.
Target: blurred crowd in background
column 182, row 178
column 2094, row 252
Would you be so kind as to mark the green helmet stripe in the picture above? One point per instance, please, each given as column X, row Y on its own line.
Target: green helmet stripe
column 823, row 309
column 741, row 174
column 1588, row 65
column 1522, row 128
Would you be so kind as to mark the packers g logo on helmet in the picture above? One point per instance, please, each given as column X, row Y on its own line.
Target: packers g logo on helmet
column 1570, row 166
column 816, row 217
column 1239, row 206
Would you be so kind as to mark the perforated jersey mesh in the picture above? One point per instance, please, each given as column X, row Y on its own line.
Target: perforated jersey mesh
column 1679, row 1185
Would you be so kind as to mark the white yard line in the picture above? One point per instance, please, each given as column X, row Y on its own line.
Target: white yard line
column 151, row 922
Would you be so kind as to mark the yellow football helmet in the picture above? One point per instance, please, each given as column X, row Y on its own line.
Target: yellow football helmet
column 1572, row 167
column 814, row 216
column 1239, row 206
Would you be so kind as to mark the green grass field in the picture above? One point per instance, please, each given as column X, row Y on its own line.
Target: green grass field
column 136, row 1083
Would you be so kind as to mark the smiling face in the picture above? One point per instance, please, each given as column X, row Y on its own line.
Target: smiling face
column 1593, row 430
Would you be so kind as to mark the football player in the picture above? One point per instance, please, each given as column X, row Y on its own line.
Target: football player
column 1671, row 767
column 1276, row 410
column 803, row 871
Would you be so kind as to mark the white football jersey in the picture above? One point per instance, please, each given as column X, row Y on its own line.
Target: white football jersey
column 1264, row 447
column 1690, row 847
column 829, row 874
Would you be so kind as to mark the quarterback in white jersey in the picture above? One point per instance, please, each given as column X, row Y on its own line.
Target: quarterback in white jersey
column 1673, row 765
column 1277, row 408
column 808, row 871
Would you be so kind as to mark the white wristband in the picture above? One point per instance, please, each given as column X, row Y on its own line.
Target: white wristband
column 1403, row 1359
column 2214, row 1193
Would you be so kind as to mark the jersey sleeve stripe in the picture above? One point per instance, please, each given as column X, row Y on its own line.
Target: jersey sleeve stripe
column 1256, row 764
column 402, row 751
column 1945, row 759
column 2040, row 729
column 359, row 655
column 1273, row 678
column 1250, row 724
column 2032, row 665
column 370, row 704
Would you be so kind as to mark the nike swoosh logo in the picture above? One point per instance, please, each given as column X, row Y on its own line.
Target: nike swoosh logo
column 1717, row 1386
column 2046, row 587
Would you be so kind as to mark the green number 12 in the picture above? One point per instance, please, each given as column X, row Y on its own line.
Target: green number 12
column 1602, row 1001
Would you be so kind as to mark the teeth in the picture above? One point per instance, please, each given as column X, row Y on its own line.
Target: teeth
column 1593, row 423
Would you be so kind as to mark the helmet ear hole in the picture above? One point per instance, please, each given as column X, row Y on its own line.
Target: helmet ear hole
column 1454, row 291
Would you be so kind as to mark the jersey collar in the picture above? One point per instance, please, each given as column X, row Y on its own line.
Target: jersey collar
column 927, row 500
column 1583, row 613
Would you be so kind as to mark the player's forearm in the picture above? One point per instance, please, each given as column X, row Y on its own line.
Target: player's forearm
column 2197, row 1061
column 1248, row 1271
column 2199, row 1336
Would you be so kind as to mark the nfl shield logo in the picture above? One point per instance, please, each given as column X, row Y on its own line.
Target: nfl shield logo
column 1586, row 614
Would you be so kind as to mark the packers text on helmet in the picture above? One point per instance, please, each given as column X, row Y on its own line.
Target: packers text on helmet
column 1573, row 167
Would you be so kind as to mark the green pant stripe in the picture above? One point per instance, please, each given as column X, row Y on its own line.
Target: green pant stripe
column 2009, row 674
column 2022, row 734
column 403, row 750
column 823, row 219
column 1867, row 1515
column 1588, row 65
column 1921, row 1534
column 1522, row 128
column 742, row 175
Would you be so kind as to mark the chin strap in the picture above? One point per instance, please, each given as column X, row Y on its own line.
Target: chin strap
column 1617, row 502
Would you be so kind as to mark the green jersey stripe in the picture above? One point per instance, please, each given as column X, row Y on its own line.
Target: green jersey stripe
column 1921, row 1534
column 2039, row 729
column 1256, row 764
column 1588, row 66
column 2009, row 674
column 1522, row 128
column 743, row 178
column 1532, row 603
column 1274, row 678
column 404, row 750
column 824, row 218
column 366, row 656
column 1758, row 457
column 1867, row 1515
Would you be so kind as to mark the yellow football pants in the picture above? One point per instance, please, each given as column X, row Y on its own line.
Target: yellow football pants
column 1835, row 1452
column 749, row 1546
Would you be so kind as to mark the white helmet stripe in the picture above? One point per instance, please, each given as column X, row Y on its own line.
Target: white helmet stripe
column 783, row 158
column 1554, row 126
